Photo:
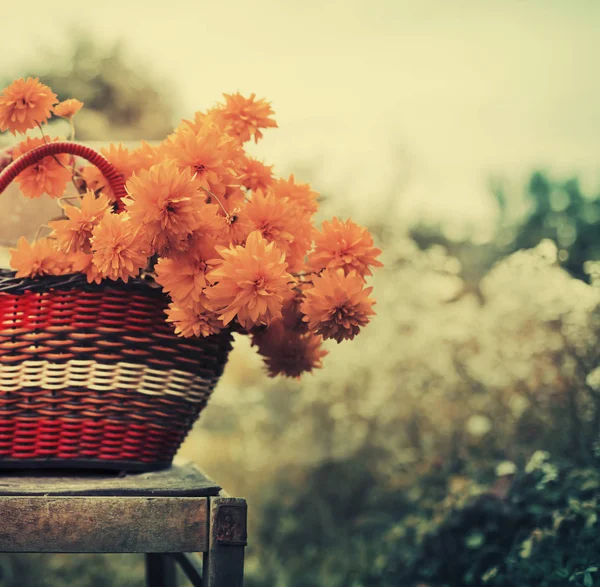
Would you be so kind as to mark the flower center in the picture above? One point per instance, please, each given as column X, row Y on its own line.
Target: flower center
column 343, row 313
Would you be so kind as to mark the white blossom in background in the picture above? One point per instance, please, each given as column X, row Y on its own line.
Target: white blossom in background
column 431, row 369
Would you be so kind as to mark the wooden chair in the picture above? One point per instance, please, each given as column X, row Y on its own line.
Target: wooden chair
column 166, row 515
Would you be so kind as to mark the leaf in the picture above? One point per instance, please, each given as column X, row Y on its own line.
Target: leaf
column 474, row 540
column 526, row 548
column 588, row 580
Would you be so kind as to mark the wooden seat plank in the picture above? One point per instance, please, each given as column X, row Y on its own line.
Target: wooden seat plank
column 182, row 479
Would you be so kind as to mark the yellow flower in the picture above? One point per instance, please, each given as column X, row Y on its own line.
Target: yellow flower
column 301, row 194
column 244, row 117
column 337, row 305
column 121, row 158
column 281, row 222
column 194, row 320
column 185, row 277
column 251, row 283
column 35, row 259
column 84, row 263
column 119, row 250
column 288, row 352
column 256, row 175
column 346, row 245
column 24, row 104
column 95, row 181
column 50, row 175
column 68, row 108
column 74, row 233
column 164, row 203
column 210, row 155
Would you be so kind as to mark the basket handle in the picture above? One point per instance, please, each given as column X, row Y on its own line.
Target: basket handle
column 110, row 172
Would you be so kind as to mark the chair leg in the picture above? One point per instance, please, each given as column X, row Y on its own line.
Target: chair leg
column 160, row 570
column 224, row 562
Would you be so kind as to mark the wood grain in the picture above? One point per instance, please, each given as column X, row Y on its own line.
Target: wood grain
column 103, row 524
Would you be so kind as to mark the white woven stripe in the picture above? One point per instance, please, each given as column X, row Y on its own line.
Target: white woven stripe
column 101, row 377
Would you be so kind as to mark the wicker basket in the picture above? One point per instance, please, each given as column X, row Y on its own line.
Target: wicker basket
column 91, row 376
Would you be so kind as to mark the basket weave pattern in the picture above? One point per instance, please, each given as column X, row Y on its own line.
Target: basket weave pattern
column 92, row 374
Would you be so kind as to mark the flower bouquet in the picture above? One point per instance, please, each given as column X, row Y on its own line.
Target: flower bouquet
column 116, row 325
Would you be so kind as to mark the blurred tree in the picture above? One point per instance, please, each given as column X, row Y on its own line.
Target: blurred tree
column 548, row 209
column 561, row 212
column 121, row 100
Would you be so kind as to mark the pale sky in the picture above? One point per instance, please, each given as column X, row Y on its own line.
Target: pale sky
column 439, row 93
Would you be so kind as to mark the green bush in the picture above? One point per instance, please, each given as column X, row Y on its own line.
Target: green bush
column 343, row 524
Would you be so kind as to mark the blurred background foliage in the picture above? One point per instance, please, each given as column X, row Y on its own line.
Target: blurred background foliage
column 123, row 100
column 454, row 443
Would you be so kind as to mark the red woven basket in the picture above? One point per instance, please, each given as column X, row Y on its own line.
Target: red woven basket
column 91, row 376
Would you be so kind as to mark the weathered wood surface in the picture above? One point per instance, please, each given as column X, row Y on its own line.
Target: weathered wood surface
column 224, row 560
column 103, row 524
column 183, row 479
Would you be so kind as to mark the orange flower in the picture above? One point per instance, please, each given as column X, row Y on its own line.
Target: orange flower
column 338, row 305
column 24, row 104
column 234, row 197
column 120, row 251
column 164, row 202
column 84, row 263
column 144, row 157
column 256, row 175
column 74, row 234
column 346, row 245
column 214, row 225
column 273, row 218
column 65, row 262
column 47, row 175
column 38, row 258
column 211, row 225
column 282, row 223
column 210, row 155
column 95, row 181
column 288, row 352
column 194, row 320
column 243, row 117
column 201, row 121
column 121, row 158
column 292, row 317
column 300, row 194
column 184, row 278
column 68, row 108
column 251, row 283
column 237, row 227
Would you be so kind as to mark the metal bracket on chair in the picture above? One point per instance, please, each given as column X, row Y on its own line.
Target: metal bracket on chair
column 231, row 524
